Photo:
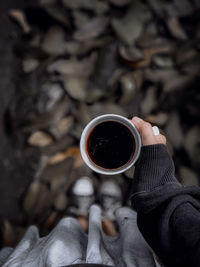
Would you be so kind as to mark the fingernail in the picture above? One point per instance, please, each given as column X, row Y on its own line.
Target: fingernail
column 137, row 119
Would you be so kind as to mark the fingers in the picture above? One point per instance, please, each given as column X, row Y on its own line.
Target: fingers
column 162, row 139
column 147, row 134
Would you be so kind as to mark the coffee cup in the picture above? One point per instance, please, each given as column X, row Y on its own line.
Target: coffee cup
column 110, row 144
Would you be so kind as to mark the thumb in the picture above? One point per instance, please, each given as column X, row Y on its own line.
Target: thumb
column 146, row 132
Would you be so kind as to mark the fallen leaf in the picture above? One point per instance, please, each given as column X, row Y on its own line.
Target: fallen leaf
column 73, row 152
column 19, row 16
column 91, row 29
column 128, row 88
column 130, row 27
column 62, row 127
column 30, row 64
column 74, row 67
column 98, row 6
column 49, row 118
column 54, row 41
column 40, row 139
column 175, row 29
column 76, row 87
column 149, row 101
column 148, row 53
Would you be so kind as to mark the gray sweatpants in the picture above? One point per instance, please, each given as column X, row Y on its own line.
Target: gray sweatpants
column 69, row 244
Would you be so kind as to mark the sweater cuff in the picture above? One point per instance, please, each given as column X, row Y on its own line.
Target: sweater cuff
column 154, row 168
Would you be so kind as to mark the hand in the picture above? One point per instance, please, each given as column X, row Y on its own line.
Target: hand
column 147, row 134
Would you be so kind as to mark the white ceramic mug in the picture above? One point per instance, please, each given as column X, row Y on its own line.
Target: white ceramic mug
column 88, row 129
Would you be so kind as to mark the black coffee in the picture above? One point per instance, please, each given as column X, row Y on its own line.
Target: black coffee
column 110, row 145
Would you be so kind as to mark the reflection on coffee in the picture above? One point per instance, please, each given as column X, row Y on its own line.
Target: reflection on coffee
column 110, row 145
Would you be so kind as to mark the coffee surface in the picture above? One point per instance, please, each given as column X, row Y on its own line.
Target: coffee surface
column 110, row 145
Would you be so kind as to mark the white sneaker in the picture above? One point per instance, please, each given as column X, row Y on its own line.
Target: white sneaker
column 110, row 196
column 82, row 196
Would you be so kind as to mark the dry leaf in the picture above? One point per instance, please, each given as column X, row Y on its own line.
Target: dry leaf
column 20, row 18
column 148, row 53
column 73, row 152
column 40, row 139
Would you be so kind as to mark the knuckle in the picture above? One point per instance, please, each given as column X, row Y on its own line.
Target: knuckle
column 147, row 124
column 163, row 138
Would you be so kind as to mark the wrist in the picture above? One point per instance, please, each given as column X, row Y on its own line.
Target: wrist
column 154, row 168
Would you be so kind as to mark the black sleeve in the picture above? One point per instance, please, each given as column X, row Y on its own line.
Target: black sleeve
column 168, row 213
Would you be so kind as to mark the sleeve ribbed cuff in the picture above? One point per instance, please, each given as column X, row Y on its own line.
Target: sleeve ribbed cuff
column 154, row 168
